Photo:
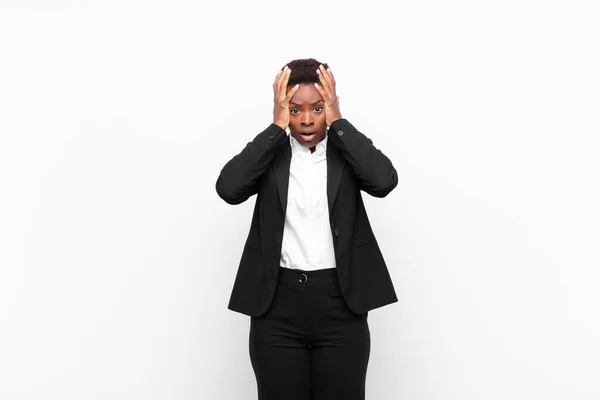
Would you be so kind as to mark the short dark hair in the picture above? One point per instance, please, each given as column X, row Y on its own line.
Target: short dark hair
column 304, row 71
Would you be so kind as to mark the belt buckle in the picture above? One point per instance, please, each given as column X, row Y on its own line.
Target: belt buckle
column 305, row 278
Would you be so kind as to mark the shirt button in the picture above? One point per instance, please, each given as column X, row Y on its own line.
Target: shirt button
column 340, row 133
column 336, row 232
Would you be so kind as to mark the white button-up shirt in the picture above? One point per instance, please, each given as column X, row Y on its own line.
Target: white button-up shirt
column 307, row 241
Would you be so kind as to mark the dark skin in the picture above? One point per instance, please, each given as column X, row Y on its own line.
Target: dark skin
column 308, row 109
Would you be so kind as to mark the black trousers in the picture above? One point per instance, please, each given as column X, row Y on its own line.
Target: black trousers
column 309, row 345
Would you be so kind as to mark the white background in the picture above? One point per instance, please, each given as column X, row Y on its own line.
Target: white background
column 117, row 257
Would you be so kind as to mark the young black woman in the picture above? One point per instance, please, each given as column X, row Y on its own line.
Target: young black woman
column 311, row 268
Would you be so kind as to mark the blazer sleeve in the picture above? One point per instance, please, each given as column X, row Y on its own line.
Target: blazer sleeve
column 239, row 178
column 375, row 172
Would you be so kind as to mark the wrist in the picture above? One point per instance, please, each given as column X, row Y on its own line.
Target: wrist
column 281, row 124
column 334, row 118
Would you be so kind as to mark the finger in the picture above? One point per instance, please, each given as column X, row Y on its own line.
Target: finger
column 276, row 82
column 277, row 77
column 292, row 92
column 276, row 85
column 331, row 78
column 325, row 86
column 324, row 78
column 284, row 80
column 326, row 74
column 321, row 92
column 280, row 77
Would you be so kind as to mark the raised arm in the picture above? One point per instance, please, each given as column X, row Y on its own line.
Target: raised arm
column 239, row 178
column 375, row 172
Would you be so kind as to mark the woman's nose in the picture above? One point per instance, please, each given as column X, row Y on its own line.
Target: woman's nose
column 307, row 119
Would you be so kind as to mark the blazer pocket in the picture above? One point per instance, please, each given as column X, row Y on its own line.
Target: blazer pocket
column 253, row 247
column 363, row 242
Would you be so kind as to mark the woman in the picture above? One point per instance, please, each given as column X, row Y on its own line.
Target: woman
column 311, row 268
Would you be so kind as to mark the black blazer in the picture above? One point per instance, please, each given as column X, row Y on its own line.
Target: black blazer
column 353, row 164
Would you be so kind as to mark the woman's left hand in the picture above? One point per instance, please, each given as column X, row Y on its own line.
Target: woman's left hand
column 327, row 91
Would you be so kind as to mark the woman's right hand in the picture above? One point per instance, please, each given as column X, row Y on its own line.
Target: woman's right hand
column 281, row 106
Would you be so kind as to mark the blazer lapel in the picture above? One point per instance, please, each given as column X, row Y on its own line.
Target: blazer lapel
column 335, row 170
column 281, row 169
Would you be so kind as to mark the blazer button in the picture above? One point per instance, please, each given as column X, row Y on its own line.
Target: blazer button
column 340, row 133
column 336, row 232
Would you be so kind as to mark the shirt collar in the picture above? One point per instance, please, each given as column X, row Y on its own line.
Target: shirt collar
column 321, row 147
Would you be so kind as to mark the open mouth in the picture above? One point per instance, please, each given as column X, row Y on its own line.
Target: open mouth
column 307, row 135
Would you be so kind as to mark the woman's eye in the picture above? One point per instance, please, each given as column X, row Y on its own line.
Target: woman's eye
column 294, row 111
column 318, row 108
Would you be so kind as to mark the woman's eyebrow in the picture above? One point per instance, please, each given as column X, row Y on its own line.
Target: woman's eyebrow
column 298, row 104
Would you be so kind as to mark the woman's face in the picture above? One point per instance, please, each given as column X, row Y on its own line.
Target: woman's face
column 307, row 115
